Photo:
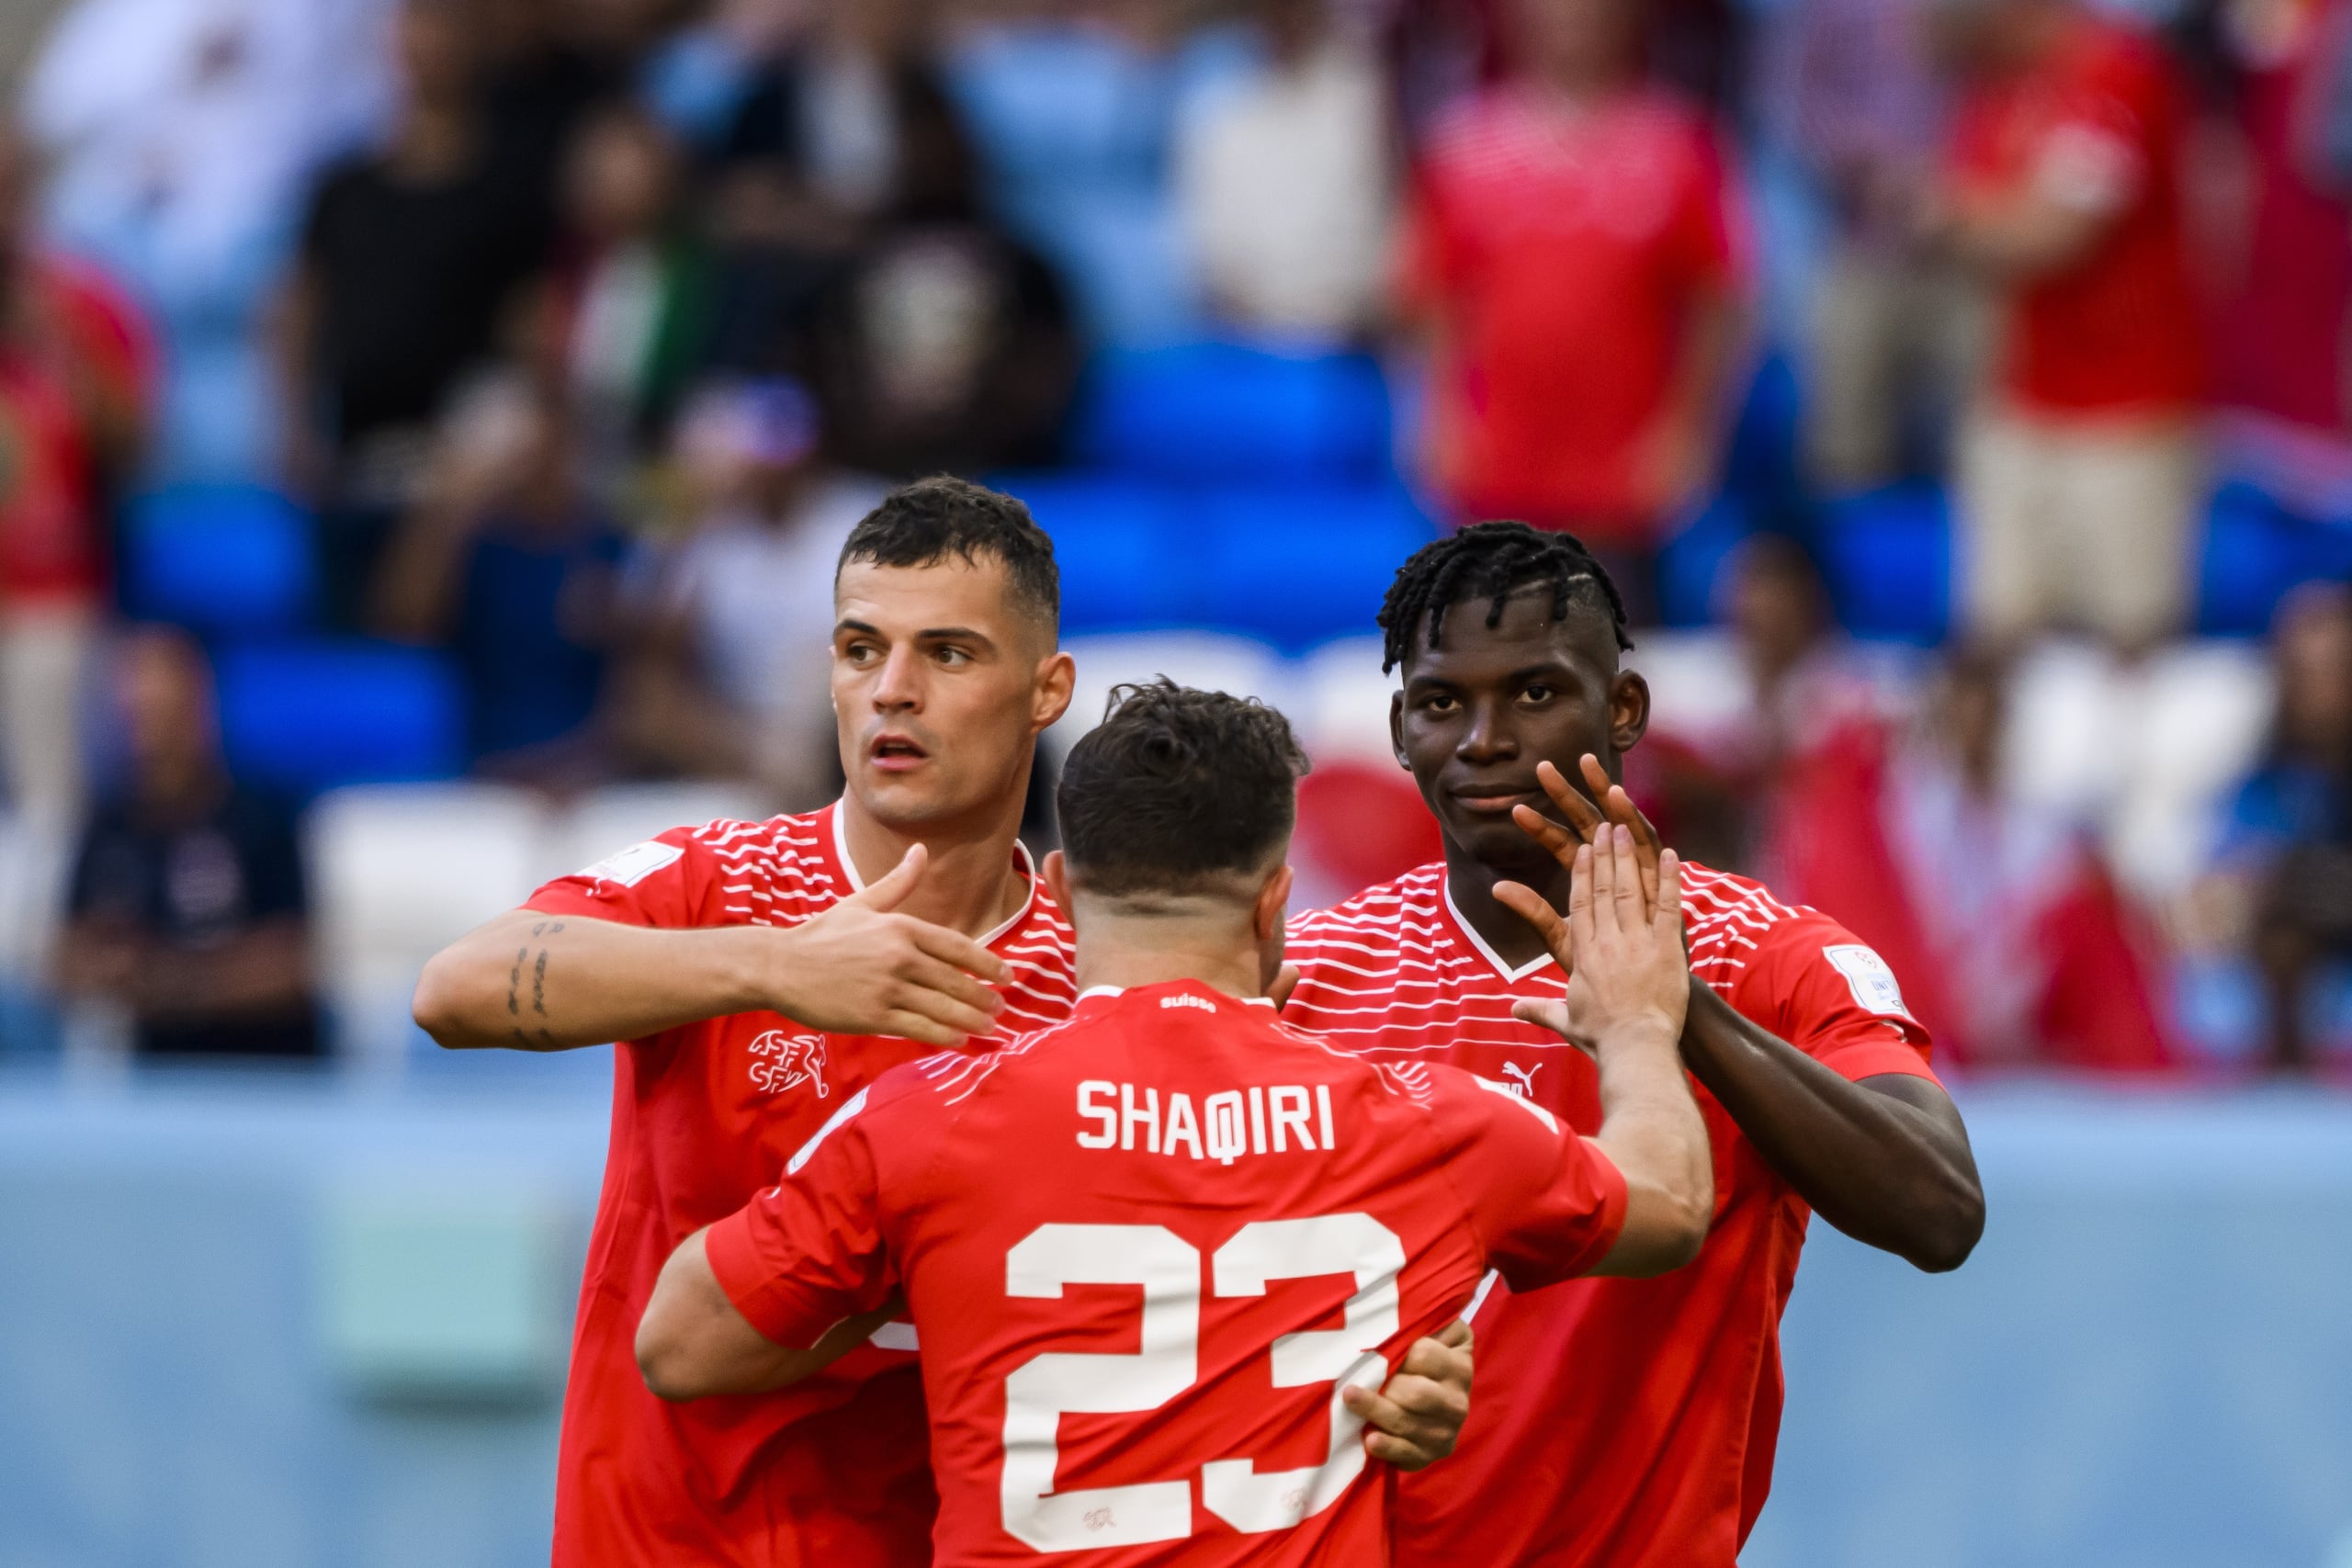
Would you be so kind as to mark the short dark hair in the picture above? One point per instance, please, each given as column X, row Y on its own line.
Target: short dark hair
column 1176, row 787
column 1492, row 561
column 924, row 523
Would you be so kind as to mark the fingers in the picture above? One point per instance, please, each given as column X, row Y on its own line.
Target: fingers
column 1580, row 927
column 955, row 948
column 1549, row 1013
column 1670, row 893
column 1546, row 832
column 950, row 984
column 1442, row 1359
column 1633, row 911
column 1573, row 803
column 1285, row 982
column 892, row 890
column 1413, row 1422
column 1603, row 856
column 1529, row 906
column 899, row 1023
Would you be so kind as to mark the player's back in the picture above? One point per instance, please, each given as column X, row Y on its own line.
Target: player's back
column 1144, row 1251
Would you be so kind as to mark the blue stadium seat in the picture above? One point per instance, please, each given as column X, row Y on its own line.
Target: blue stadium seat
column 1296, row 565
column 1124, row 564
column 1689, row 563
column 304, row 716
column 1224, row 413
column 1887, row 555
column 219, row 559
column 2255, row 551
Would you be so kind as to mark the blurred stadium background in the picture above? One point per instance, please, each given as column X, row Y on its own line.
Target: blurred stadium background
column 426, row 430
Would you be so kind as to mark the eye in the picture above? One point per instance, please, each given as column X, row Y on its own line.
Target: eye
column 1536, row 692
column 1439, row 703
column 861, row 653
column 954, row 658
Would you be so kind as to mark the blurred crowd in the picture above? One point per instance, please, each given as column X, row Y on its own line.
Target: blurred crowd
column 578, row 332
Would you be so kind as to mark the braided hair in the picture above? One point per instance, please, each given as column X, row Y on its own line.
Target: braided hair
column 1492, row 561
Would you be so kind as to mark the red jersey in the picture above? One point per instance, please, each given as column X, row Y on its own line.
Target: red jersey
column 1294, row 1216
column 1629, row 1422
column 2098, row 127
column 1562, row 248
column 702, row 1118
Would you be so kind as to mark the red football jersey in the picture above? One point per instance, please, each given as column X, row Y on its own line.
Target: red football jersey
column 1626, row 1423
column 702, row 1118
column 1145, row 1252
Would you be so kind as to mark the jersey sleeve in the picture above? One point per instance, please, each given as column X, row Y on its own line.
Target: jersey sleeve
column 1547, row 1205
column 810, row 1251
column 1826, row 992
column 669, row 883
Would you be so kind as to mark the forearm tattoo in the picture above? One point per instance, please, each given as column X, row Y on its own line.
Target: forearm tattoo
column 538, row 1011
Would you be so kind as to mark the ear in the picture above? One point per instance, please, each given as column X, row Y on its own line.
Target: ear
column 1057, row 679
column 1056, row 871
column 1271, row 912
column 1397, row 730
column 1629, row 710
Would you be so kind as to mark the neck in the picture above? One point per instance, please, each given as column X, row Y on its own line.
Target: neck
column 971, row 883
column 1128, row 953
column 1471, row 884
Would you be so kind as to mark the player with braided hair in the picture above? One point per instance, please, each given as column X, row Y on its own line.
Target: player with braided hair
column 1620, row 1424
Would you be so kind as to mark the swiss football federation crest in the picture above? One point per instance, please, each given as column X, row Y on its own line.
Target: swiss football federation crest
column 782, row 1061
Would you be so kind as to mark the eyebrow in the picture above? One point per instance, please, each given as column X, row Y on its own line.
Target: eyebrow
column 929, row 634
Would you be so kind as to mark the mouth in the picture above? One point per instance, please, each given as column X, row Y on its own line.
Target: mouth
column 893, row 753
column 1497, row 799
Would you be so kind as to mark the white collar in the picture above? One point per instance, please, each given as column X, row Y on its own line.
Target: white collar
column 1470, row 934
column 1121, row 990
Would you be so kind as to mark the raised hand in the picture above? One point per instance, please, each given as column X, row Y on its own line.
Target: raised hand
column 1627, row 970
column 863, row 968
column 1586, row 821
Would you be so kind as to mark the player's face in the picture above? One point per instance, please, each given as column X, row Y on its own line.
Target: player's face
column 940, row 687
column 1482, row 708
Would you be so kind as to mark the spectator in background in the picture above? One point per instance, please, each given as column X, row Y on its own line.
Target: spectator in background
column 1573, row 252
column 1896, row 333
column 1284, row 182
column 187, row 906
column 632, row 294
column 2081, row 473
column 409, row 257
column 947, row 344
column 729, row 674
column 818, row 152
column 2290, row 837
column 508, row 561
column 2013, row 948
column 74, row 372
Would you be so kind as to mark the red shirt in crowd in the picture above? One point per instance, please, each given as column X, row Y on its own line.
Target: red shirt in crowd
column 1561, row 248
column 834, row 1472
column 2097, row 126
column 1617, row 1422
column 84, row 355
column 1146, row 1250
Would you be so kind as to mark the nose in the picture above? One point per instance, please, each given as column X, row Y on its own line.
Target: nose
column 898, row 687
column 1489, row 737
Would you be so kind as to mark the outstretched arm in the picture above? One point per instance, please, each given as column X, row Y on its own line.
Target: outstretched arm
column 1886, row 1158
column 539, row 982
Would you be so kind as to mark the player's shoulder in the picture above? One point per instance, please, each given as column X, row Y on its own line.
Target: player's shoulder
column 1381, row 914
column 1748, row 942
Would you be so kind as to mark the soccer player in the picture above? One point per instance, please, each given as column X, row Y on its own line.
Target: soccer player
column 1146, row 1249
column 1619, row 1424
column 760, row 974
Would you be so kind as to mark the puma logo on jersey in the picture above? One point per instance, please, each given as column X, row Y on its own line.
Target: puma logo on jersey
column 781, row 1061
column 1523, row 1078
